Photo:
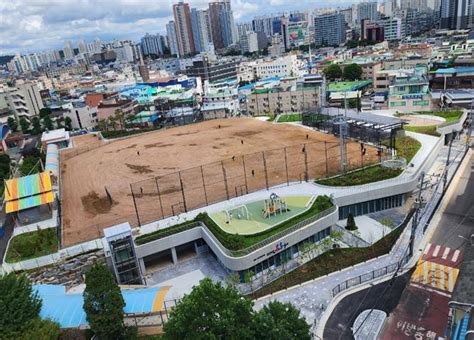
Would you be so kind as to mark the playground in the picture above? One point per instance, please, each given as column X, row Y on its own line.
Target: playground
column 259, row 216
column 150, row 176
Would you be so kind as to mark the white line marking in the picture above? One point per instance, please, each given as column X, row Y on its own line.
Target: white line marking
column 436, row 251
column 430, row 290
column 445, row 253
column 427, row 249
column 456, row 255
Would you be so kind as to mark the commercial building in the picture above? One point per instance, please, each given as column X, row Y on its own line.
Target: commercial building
column 81, row 115
column 286, row 97
column 213, row 70
column 329, row 29
column 393, row 28
column 410, row 93
column 184, row 32
column 172, row 39
column 277, row 67
column 220, row 102
column 295, row 33
column 151, row 45
column 201, row 29
column 367, row 10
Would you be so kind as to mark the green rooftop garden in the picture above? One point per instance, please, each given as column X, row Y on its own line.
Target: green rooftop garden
column 33, row 244
column 406, row 147
column 234, row 242
column 344, row 86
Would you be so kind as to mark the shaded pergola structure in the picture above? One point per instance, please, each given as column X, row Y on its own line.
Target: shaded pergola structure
column 362, row 126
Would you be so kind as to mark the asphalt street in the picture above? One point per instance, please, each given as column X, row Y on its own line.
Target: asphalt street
column 381, row 296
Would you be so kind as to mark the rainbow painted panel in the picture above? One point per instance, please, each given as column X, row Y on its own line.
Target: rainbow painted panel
column 29, row 202
column 26, row 186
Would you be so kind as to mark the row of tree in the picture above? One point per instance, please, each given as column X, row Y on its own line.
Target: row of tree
column 210, row 311
column 351, row 72
column 38, row 124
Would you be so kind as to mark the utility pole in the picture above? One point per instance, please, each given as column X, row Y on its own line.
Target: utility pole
column 445, row 182
column 418, row 206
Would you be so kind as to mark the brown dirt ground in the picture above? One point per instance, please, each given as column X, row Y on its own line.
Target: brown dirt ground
column 86, row 175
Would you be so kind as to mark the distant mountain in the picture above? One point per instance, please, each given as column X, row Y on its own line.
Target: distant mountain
column 4, row 59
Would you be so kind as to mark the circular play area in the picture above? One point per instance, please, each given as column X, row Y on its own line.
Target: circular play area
column 258, row 216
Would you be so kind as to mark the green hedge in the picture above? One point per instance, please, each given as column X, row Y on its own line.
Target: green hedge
column 34, row 244
column 237, row 242
column 407, row 147
column 333, row 260
column 124, row 133
column 368, row 175
column 449, row 116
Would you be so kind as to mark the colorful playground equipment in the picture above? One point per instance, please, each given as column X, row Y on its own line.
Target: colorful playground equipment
column 239, row 212
column 275, row 205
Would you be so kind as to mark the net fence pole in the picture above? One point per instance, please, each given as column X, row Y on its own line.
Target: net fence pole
column 305, row 163
column 326, row 154
column 225, row 180
column 245, row 174
column 286, row 168
column 265, row 168
column 159, row 197
column 135, row 206
column 204, row 185
column 182, row 191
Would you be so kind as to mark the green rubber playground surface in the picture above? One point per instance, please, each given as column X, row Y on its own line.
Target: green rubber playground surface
column 255, row 222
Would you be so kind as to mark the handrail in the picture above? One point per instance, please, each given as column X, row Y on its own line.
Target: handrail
column 254, row 247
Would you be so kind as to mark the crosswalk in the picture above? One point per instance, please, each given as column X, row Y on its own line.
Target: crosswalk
column 438, row 268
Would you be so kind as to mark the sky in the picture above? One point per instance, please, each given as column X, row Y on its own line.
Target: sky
column 37, row 25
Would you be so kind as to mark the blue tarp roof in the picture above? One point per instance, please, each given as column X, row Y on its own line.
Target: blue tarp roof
column 454, row 70
column 67, row 309
column 3, row 130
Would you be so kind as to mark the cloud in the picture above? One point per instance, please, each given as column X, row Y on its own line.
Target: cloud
column 37, row 25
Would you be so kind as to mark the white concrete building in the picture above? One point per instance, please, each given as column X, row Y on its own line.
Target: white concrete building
column 393, row 28
column 81, row 115
column 280, row 67
column 23, row 99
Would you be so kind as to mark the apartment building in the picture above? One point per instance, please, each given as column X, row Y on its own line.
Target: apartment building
column 277, row 67
column 24, row 100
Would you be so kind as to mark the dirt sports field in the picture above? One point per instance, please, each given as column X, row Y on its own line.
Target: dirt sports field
column 183, row 168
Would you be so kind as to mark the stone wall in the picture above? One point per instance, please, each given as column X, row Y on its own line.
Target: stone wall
column 70, row 272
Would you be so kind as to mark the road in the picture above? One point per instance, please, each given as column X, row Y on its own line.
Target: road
column 422, row 295
column 423, row 309
column 342, row 318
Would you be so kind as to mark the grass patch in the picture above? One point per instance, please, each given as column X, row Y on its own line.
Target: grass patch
column 235, row 242
column 291, row 117
column 368, row 175
column 449, row 116
column 34, row 244
column 333, row 260
column 406, row 147
column 427, row 130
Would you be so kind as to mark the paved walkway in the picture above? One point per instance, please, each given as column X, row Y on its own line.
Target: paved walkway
column 314, row 297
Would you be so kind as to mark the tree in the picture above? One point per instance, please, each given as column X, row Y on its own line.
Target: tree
column 332, row 72
column 24, row 125
column 103, row 304
column 211, row 311
column 48, row 123
column 19, row 311
column 36, row 130
column 280, row 321
column 352, row 72
column 68, row 123
column 351, row 224
column 45, row 111
column 12, row 124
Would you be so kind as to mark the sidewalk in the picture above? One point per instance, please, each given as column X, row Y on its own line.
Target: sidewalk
column 313, row 297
